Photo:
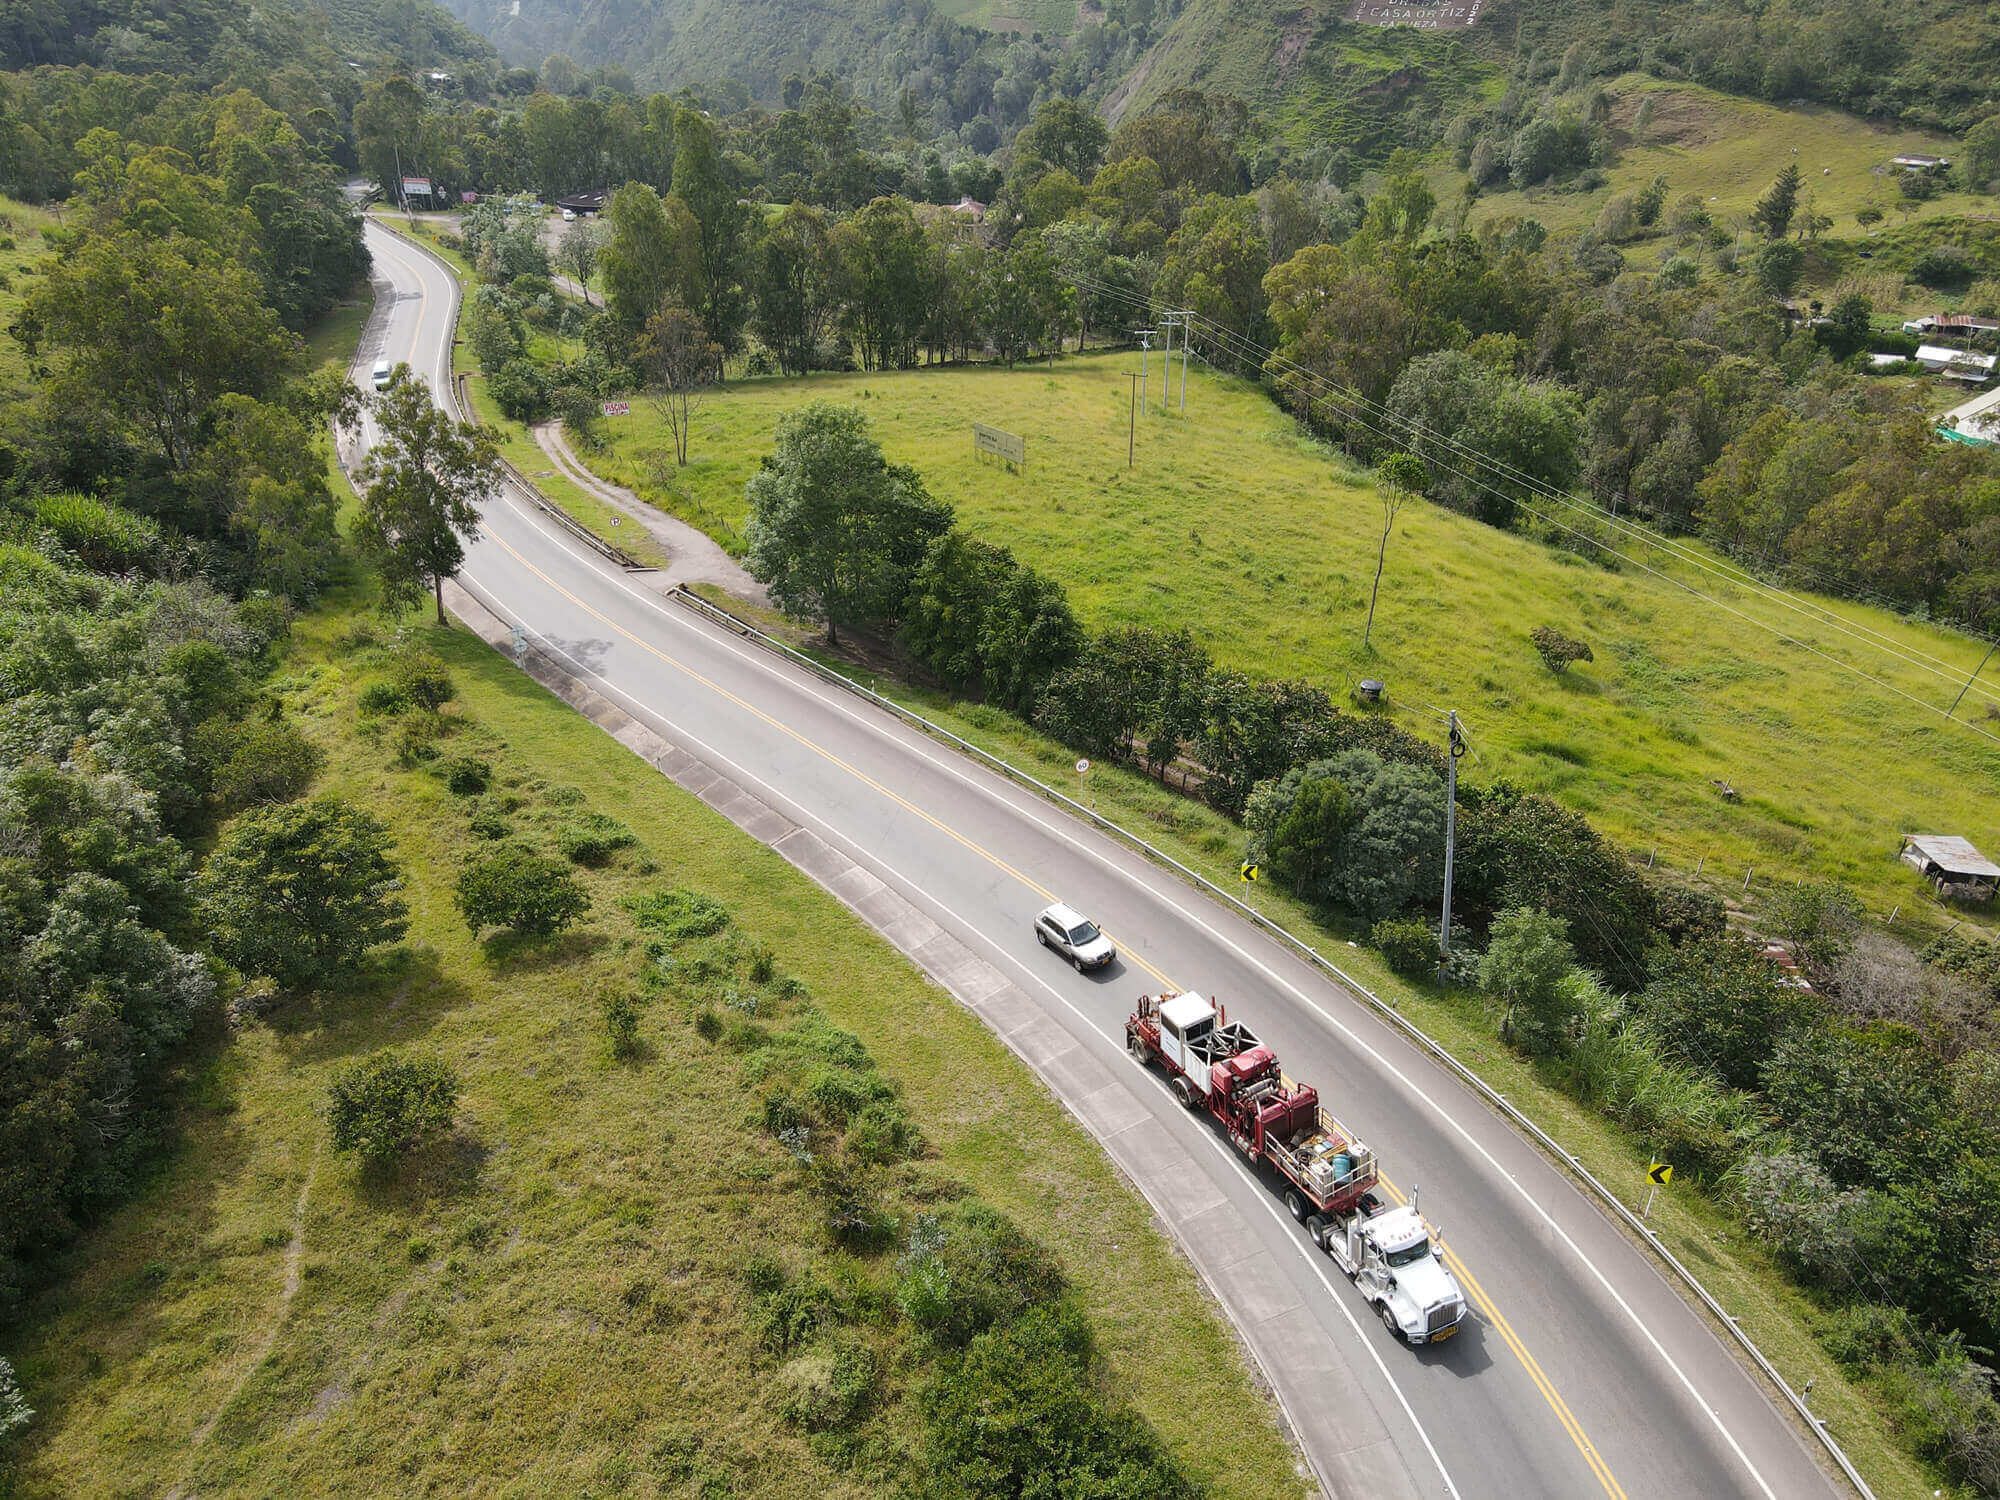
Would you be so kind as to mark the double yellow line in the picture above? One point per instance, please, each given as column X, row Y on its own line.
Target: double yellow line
column 1485, row 1303
column 1491, row 1312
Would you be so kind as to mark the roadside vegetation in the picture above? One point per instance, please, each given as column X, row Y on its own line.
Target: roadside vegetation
column 1263, row 543
column 1627, row 991
column 697, row 1189
column 348, row 1059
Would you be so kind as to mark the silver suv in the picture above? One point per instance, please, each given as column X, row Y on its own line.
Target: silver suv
column 1074, row 936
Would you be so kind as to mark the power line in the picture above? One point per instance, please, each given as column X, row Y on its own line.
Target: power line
column 1222, row 337
column 1245, row 349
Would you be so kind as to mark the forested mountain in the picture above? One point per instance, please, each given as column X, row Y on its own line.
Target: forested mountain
column 210, row 40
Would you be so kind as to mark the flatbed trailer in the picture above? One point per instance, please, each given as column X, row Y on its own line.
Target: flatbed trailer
column 1219, row 1067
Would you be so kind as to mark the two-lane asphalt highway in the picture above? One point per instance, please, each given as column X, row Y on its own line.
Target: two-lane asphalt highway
column 1582, row 1373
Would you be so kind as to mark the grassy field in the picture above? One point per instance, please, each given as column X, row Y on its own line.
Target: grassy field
column 554, row 1301
column 1726, row 150
column 21, row 249
column 1263, row 544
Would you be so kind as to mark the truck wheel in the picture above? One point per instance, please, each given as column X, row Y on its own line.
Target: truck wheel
column 1295, row 1206
column 1316, row 1227
column 1136, row 1045
column 1184, row 1091
column 1389, row 1320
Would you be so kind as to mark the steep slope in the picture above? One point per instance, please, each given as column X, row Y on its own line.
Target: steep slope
column 667, row 44
column 200, row 38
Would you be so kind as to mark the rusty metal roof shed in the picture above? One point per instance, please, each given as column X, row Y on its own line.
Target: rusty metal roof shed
column 1953, row 855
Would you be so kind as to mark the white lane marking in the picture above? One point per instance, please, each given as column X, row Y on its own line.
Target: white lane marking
column 772, row 796
column 764, row 665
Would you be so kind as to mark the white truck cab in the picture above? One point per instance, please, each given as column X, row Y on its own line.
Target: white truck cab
column 1394, row 1259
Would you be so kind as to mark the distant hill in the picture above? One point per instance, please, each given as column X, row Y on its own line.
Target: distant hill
column 875, row 45
column 1330, row 81
column 204, row 39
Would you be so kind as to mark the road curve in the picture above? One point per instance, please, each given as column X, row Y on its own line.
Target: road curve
column 1583, row 1373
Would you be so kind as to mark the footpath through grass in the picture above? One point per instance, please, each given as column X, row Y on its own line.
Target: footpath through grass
column 1263, row 543
column 556, row 1301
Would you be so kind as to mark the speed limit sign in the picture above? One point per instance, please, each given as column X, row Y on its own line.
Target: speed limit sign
column 1082, row 766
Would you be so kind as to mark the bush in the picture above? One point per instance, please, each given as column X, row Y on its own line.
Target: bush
column 969, row 1269
column 15, row 1413
column 384, row 1106
column 384, row 698
column 1019, row 1414
column 679, row 915
column 300, row 892
column 1407, row 945
column 466, row 775
column 708, row 1025
column 526, row 892
column 621, row 1024
column 261, row 760
column 593, row 840
column 830, row 1385
column 1557, row 650
column 420, row 676
column 104, row 538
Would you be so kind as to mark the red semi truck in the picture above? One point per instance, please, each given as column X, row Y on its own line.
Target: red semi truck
column 1218, row 1065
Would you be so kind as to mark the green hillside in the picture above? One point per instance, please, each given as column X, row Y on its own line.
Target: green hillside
column 872, row 44
column 197, row 38
column 1263, row 543
column 1726, row 150
column 611, row 1278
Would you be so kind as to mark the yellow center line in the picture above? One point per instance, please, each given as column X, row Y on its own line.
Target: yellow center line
column 1478, row 1294
column 1529, row 1363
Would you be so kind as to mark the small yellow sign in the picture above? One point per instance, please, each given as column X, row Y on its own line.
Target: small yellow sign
column 1659, row 1174
column 1250, row 871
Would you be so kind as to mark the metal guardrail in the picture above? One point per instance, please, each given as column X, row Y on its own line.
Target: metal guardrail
column 607, row 550
column 1409, row 1028
column 527, row 486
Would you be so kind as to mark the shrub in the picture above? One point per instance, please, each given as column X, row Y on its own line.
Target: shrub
column 104, row 538
column 260, row 760
column 1407, row 945
column 830, row 1385
column 1021, row 1410
column 300, row 892
column 489, row 822
column 381, row 1107
column 594, row 839
column 708, row 1025
column 881, row 1133
column 621, row 1024
column 15, row 1413
column 1557, row 650
column 382, row 698
column 421, row 676
column 466, row 775
column 678, row 915
column 518, row 889
column 1528, row 957
column 969, row 1269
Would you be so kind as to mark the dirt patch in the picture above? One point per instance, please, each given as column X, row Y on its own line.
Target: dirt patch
column 1291, row 46
column 1010, row 25
column 1680, row 120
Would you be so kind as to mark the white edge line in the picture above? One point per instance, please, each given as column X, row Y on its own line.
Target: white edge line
column 774, row 797
column 762, row 662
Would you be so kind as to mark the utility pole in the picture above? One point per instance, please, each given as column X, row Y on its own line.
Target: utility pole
column 1450, row 830
column 1972, row 679
column 1132, row 422
column 1145, row 338
column 1187, row 336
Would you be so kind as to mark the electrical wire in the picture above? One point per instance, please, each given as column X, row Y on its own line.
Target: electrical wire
column 1242, row 348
